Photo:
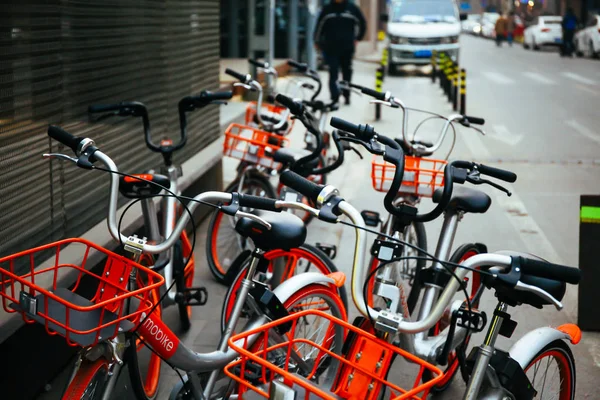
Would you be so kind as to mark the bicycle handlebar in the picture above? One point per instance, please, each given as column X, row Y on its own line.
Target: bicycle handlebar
column 374, row 93
column 300, row 184
column 240, row 77
column 64, row 137
column 310, row 73
column 262, row 203
column 301, row 67
column 502, row 174
column 259, row 64
column 474, row 120
column 544, row 269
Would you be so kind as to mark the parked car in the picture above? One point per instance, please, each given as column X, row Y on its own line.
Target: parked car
column 587, row 40
column 472, row 25
column 418, row 27
column 488, row 24
column 544, row 31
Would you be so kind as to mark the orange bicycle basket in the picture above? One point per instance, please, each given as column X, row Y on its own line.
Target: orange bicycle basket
column 252, row 145
column 268, row 109
column 362, row 369
column 98, row 305
column 422, row 176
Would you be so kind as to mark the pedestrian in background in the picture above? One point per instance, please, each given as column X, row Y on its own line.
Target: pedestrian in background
column 501, row 29
column 569, row 25
column 340, row 26
column 510, row 28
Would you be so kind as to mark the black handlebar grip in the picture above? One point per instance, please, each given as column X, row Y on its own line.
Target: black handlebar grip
column 101, row 108
column 475, row 120
column 374, row 93
column 210, row 96
column 64, row 137
column 502, row 174
column 236, row 75
column 261, row 203
column 344, row 125
column 295, row 107
column 299, row 66
column 301, row 185
column 544, row 269
column 257, row 63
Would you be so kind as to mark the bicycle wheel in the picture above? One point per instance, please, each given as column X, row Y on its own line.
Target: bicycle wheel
column 473, row 286
column 144, row 365
column 317, row 330
column 89, row 382
column 407, row 271
column 223, row 243
column 305, row 258
column 552, row 372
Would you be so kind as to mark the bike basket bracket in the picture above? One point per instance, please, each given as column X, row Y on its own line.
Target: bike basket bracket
column 268, row 302
column 387, row 322
column 135, row 245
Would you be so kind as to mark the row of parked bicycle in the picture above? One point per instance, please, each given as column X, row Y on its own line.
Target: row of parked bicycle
column 285, row 332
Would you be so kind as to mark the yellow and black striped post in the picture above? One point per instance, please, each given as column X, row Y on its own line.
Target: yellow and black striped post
column 448, row 70
column 440, row 71
column 455, row 83
column 379, row 77
column 433, row 65
column 463, row 91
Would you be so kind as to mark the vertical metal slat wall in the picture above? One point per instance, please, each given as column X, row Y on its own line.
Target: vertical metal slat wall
column 59, row 56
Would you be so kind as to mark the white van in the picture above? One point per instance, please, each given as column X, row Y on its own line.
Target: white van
column 418, row 27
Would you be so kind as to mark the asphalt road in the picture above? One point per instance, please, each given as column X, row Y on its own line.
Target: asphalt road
column 542, row 119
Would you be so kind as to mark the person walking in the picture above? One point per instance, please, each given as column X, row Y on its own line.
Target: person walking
column 339, row 26
column 569, row 25
column 510, row 28
column 501, row 29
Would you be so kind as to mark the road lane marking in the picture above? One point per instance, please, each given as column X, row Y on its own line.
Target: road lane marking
column 578, row 78
column 475, row 145
column 498, row 78
column 587, row 89
column 583, row 131
column 502, row 134
column 539, row 78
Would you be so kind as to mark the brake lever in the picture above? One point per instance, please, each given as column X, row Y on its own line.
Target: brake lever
column 475, row 179
column 347, row 147
column 254, row 218
column 59, row 156
column 540, row 292
column 374, row 147
column 385, row 103
column 244, row 85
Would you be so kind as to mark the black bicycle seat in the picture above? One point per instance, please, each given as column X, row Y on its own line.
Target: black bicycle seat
column 287, row 231
column 133, row 188
column 465, row 199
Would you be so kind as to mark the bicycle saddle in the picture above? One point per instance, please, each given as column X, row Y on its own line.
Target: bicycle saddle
column 288, row 156
column 410, row 151
column 514, row 297
column 465, row 199
column 271, row 118
column 287, row 231
column 136, row 188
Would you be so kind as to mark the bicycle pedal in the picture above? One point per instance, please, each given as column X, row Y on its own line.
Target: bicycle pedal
column 371, row 218
column 329, row 249
column 195, row 296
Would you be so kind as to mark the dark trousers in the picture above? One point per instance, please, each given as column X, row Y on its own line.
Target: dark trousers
column 335, row 62
column 567, row 45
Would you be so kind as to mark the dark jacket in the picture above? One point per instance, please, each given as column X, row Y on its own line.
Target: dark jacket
column 338, row 26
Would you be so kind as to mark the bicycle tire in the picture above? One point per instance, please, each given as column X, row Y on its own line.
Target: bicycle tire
column 415, row 289
column 336, row 308
column 563, row 356
column 89, row 382
column 460, row 254
column 181, row 283
column 144, row 382
column 310, row 253
column 217, row 263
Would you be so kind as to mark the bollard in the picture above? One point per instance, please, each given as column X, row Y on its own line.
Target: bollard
column 379, row 77
column 455, row 83
column 433, row 65
column 448, row 73
column 463, row 92
column 440, row 71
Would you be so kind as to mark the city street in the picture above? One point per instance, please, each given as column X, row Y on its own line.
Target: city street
column 541, row 121
column 541, row 116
